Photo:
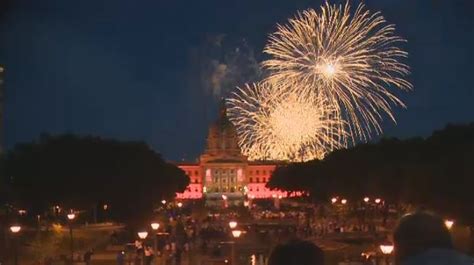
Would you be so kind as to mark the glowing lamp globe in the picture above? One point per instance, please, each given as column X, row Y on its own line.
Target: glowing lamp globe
column 449, row 224
column 232, row 224
column 155, row 226
column 142, row 235
column 180, row 204
column 163, row 201
column 334, row 200
column 71, row 216
column 343, row 201
column 377, row 201
column 15, row 228
column 236, row 233
column 386, row 249
column 366, row 199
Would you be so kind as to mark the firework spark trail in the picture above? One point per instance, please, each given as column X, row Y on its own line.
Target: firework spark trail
column 278, row 124
column 349, row 60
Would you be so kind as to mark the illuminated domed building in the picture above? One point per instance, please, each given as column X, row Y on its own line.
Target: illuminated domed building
column 222, row 170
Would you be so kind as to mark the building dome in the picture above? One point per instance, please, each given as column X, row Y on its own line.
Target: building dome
column 222, row 139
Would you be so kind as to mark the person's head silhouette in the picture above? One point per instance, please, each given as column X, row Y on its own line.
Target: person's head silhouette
column 296, row 252
column 419, row 232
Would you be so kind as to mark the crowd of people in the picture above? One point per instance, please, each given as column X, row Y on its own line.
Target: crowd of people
column 184, row 235
column 420, row 238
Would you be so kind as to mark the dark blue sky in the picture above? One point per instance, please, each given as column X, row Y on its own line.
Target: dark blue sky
column 144, row 69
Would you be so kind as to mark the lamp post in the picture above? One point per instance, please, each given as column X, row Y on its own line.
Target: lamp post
column 142, row 235
column 71, row 216
column 155, row 226
column 15, row 229
column 386, row 249
column 235, row 234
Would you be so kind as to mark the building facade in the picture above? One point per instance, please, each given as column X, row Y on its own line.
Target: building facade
column 223, row 172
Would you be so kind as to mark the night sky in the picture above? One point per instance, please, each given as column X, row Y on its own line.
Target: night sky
column 154, row 70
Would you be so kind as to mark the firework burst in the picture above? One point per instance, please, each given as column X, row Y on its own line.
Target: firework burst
column 349, row 60
column 278, row 124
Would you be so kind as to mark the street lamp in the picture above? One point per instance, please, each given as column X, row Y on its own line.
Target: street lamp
column 15, row 229
column 366, row 199
column 236, row 234
column 142, row 235
column 232, row 224
column 163, row 202
column 449, row 224
column 180, row 204
column 155, row 226
column 71, row 216
column 333, row 200
column 343, row 201
column 378, row 200
column 386, row 249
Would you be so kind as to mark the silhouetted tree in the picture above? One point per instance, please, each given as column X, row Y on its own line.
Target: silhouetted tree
column 436, row 172
column 86, row 172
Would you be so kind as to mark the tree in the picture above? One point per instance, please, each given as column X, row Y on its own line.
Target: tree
column 81, row 172
column 436, row 172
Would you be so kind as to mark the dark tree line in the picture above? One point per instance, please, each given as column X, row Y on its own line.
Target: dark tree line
column 436, row 172
column 89, row 172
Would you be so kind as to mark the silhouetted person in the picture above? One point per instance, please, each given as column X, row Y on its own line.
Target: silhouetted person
column 423, row 239
column 296, row 252
column 87, row 257
column 120, row 258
